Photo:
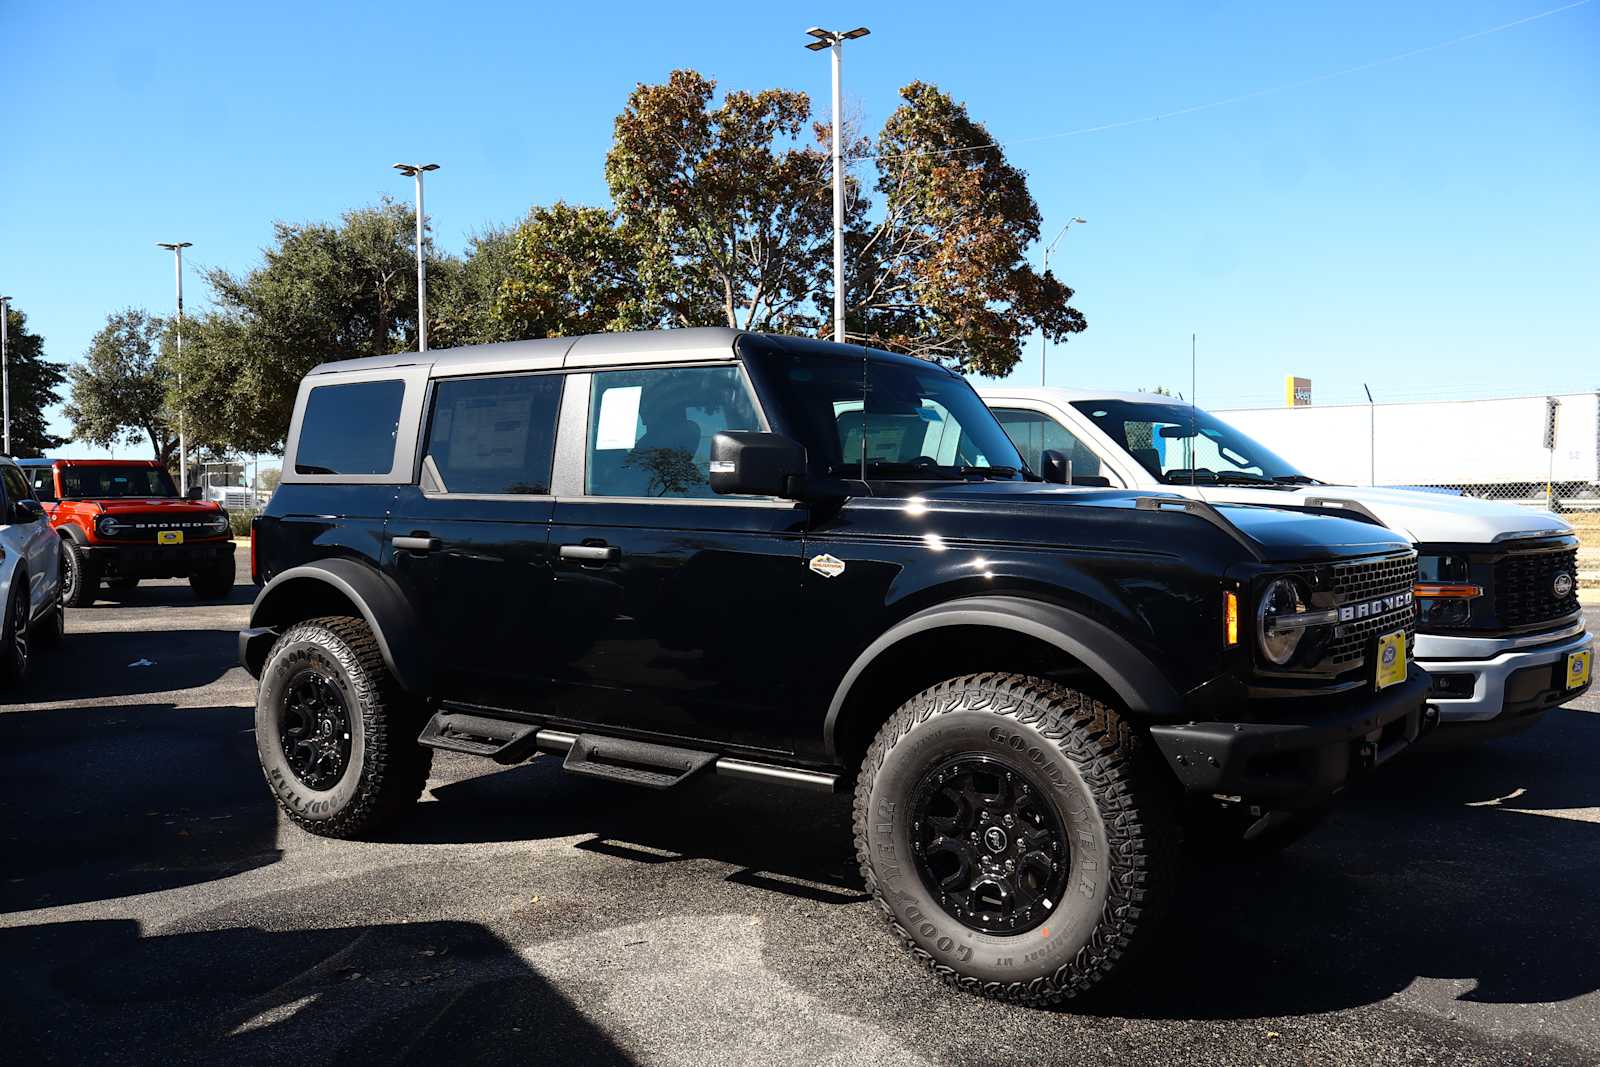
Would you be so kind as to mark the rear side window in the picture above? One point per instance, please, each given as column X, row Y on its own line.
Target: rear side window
column 495, row 435
column 44, row 482
column 349, row 429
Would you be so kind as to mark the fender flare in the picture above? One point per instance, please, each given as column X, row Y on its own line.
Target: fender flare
column 382, row 605
column 1137, row 682
column 71, row 531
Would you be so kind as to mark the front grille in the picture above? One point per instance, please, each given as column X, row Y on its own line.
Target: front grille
column 145, row 527
column 1355, row 583
column 1524, row 587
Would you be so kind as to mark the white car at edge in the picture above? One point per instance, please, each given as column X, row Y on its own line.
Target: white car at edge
column 30, row 576
column 1499, row 628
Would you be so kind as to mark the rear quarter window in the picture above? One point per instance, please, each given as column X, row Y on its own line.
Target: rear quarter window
column 350, row 428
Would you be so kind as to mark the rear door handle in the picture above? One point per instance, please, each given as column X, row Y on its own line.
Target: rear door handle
column 591, row 553
column 415, row 544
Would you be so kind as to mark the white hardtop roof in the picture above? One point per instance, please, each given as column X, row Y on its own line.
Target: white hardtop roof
column 1058, row 395
column 664, row 346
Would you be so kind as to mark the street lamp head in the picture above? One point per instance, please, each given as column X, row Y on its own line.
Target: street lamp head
column 820, row 34
column 1080, row 220
column 431, row 166
column 859, row 31
column 173, row 246
column 411, row 170
column 817, row 46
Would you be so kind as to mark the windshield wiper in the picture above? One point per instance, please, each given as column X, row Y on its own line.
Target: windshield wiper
column 990, row 472
column 1177, row 476
column 1296, row 479
column 885, row 469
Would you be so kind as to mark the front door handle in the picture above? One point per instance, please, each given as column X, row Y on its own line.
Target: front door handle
column 591, row 553
column 415, row 544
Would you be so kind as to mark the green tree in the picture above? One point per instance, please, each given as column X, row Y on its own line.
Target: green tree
column 35, row 385
column 119, row 389
column 323, row 293
column 942, row 273
column 572, row 270
column 731, row 214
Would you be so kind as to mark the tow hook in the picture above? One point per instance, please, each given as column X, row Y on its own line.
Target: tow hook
column 1430, row 718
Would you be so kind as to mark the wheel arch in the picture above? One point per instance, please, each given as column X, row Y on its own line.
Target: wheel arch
column 989, row 633
column 343, row 587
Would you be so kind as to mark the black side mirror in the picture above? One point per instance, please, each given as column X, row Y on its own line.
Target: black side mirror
column 1054, row 466
column 194, row 493
column 747, row 463
column 29, row 511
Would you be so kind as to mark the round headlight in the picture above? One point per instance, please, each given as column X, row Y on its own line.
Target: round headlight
column 110, row 527
column 1282, row 597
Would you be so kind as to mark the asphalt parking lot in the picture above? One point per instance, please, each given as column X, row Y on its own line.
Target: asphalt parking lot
column 154, row 908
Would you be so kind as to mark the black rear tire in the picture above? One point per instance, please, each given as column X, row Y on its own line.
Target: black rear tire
column 80, row 578
column 215, row 581
column 1087, row 773
column 367, row 769
column 15, row 633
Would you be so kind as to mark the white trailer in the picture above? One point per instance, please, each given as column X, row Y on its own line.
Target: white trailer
column 1485, row 447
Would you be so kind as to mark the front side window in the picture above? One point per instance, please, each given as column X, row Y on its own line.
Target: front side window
column 1034, row 432
column 495, row 435
column 1180, row 445
column 650, row 430
column 92, row 483
column 350, row 429
column 16, row 490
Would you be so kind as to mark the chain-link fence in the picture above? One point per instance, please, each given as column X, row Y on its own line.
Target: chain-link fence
column 1540, row 452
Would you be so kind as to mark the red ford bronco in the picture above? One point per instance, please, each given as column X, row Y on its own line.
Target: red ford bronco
column 121, row 520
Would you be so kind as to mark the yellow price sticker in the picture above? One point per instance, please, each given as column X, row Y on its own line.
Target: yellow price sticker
column 1580, row 667
column 1391, row 660
column 169, row 537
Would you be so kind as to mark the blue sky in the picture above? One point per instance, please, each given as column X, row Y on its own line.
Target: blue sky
column 1427, row 225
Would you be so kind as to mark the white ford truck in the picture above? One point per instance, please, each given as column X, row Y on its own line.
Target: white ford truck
column 1499, row 628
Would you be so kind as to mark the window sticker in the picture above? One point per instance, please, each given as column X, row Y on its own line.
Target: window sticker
column 619, row 418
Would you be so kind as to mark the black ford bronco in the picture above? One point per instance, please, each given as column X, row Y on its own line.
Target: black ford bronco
column 709, row 552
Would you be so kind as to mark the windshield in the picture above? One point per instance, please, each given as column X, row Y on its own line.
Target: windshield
column 97, row 482
column 891, row 420
column 1180, row 445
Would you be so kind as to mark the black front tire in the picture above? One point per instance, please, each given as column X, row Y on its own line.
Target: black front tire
column 80, row 578
column 215, row 581
column 15, row 633
column 383, row 770
column 1115, row 811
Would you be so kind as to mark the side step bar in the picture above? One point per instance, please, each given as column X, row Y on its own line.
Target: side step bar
column 635, row 762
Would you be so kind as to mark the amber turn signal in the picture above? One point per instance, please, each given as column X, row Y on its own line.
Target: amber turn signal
column 1446, row 591
column 1230, row 617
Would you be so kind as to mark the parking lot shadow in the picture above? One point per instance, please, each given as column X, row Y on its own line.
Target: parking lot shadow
column 769, row 829
column 98, row 803
column 409, row 993
column 1475, row 867
column 161, row 593
column 118, row 663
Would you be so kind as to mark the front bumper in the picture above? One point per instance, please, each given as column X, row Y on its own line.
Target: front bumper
column 1510, row 677
column 1305, row 752
column 156, row 561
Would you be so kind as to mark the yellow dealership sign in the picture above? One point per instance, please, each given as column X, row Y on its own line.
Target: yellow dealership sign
column 1296, row 392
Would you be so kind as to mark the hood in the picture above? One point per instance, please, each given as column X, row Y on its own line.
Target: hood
column 1423, row 518
column 146, row 504
column 1283, row 536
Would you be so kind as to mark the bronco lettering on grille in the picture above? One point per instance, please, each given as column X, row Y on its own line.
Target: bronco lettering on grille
column 1376, row 606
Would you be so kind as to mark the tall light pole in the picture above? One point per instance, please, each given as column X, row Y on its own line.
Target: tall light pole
column 835, row 39
column 177, row 247
column 1044, row 352
column 412, row 170
column 5, row 369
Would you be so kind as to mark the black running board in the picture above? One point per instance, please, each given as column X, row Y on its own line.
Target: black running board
column 661, row 766
column 635, row 762
column 502, row 741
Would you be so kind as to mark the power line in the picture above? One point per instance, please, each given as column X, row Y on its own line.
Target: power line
column 1241, row 97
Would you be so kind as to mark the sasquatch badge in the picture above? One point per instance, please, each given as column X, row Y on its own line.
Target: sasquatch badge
column 827, row 566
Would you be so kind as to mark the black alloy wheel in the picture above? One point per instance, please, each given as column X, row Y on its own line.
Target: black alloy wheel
column 987, row 846
column 315, row 726
column 18, row 628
